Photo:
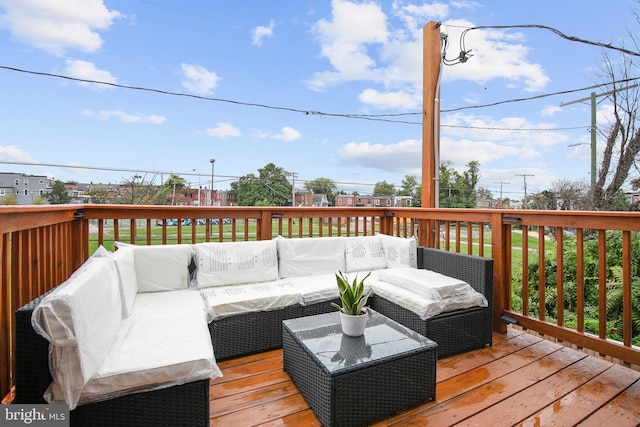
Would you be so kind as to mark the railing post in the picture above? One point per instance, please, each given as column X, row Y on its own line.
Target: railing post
column 6, row 361
column 263, row 230
column 499, row 249
column 79, row 250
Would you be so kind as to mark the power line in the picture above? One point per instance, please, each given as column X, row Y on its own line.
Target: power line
column 464, row 53
column 372, row 117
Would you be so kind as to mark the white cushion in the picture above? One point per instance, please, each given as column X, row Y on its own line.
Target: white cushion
column 183, row 299
column 424, row 282
column 364, row 253
column 306, row 257
column 230, row 263
column 162, row 267
column 155, row 350
column 399, row 252
column 80, row 319
column 423, row 307
column 226, row 301
column 324, row 287
column 123, row 257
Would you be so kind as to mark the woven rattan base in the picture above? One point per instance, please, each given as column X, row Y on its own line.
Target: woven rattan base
column 364, row 393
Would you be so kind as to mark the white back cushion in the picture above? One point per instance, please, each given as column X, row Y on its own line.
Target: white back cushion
column 81, row 319
column 399, row 252
column 162, row 267
column 364, row 253
column 230, row 263
column 124, row 259
column 306, row 257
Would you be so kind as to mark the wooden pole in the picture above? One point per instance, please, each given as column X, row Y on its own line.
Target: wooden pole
column 430, row 110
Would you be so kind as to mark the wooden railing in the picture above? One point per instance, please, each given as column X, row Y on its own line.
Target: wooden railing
column 42, row 245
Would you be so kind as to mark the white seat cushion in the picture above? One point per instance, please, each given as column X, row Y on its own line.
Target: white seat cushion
column 80, row 319
column 423, row 307
column 324, row 287
column 225, row 301
column 162, row 267
column 124, row 259
column 424, row 282
column 155, row 349
column 233, row 263
column 307, row 257
column 364, row 253
column 399, row 252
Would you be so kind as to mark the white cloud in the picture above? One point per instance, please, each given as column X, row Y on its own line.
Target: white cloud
column 404, row 156
column 199, row 80
column 126, row 117
column 395, row 100
column 13, row 153
column 223, row 130
column 287, row 134
column 497, row 54
column 57, row 26
column 364, row 43
column 260, row 33
column 551, row 110
column 87, row 71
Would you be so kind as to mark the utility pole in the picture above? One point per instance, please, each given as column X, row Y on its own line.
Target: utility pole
column 524, row 176
column 293, row 188
column 593, row 129
column 501, row 182
column 213, row 162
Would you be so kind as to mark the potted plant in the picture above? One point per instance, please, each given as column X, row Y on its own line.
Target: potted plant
column 353, row 315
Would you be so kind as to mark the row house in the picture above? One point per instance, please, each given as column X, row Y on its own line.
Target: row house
column 26, row 188
column 350, row 200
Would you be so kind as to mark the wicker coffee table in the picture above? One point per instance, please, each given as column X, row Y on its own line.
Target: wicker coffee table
column 356, row 381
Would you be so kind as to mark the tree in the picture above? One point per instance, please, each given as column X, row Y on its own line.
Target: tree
column 458, row 190
column 324, row 186
column 9, row 199
column 58, row 194
column 269, row 188
column 384, row 188
column 98, row 196
column 622, row 138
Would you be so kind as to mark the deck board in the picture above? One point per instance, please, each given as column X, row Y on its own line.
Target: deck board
column 521, row 380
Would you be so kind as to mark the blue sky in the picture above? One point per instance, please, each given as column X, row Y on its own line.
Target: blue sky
column 334, row 57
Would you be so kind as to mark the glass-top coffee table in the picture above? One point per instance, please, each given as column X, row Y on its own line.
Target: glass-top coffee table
column 356, row 381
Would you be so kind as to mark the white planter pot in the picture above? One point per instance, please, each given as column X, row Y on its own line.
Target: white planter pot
column 353, row 325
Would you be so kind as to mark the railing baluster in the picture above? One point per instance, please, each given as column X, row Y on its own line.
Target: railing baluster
column 602, row 283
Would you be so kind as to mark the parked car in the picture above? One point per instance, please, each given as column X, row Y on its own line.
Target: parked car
column 186, row 221
column 168, row 222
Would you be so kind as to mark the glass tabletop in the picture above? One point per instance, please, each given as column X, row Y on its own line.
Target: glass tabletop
column 383, row 338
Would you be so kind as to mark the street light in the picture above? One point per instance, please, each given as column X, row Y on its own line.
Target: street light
column 212, row 161
column 199, row 186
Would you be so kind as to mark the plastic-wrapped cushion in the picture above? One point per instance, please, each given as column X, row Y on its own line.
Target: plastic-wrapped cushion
column 124, row 259
column 399, row 252
column 424, row 282
column 426, row 292
column 153, row 350
column 230, row 263
column 224, row 301
column 423, row 307
column 364, row 253
column 307, row 257
column 324, row 287
column 162, row 267
column 80, row 319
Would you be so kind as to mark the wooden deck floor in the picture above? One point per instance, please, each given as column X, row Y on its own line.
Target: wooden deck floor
column 522, row 380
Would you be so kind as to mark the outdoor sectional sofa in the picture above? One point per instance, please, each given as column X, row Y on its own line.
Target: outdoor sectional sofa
column 133, row 336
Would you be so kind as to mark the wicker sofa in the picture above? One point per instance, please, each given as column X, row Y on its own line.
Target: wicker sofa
column 246, row 294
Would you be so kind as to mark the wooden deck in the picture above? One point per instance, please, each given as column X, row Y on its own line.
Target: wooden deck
column 522, row 380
